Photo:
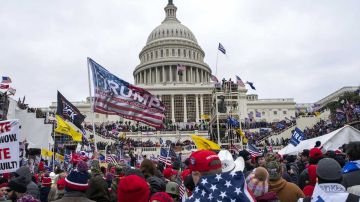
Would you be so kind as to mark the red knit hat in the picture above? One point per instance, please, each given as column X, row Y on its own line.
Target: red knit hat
column 4, row 185
column 204, row 161
column 6, row 176
column 46, row 182
column 61, row 184
column 168, row 172
column 315, row 153
column 133, row 188
column 161, row 196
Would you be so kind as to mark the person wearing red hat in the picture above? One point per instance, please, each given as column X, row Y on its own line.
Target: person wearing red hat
column 315, row 155
column 133, row 188
column 170, row 174
column 3, row 191
column 161, row 197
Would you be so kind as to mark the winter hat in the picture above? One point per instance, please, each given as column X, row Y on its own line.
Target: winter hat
column 257, row 181
column 204, row 161
column 329, row 169
column 315, row 153
column 6, row 176
column 46, row 182
column 245, row 154
column 274, row 170
column 78, row 179
column 172, row 188
column 61, row 184
column 18, row 184
column 133, row 188
column 41, row 166
column 161, row 196
column 168, row 172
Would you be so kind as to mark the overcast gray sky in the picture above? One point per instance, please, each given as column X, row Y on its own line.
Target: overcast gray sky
column 300, row 49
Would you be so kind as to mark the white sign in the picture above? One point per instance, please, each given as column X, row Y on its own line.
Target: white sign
column 9, row 146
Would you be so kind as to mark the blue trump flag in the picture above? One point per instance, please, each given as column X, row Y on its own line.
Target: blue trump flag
column 233, row 122
column 297, row 137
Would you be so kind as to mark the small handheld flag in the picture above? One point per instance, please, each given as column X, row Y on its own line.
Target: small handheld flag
column 221, row 48
column 6, row 79
column 239, row 81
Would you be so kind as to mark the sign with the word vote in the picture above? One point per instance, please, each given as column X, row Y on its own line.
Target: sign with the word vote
column 9, row 146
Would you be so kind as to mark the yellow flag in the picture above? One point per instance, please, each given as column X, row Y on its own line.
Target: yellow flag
column 317, row 114
column 242, row 134
column 204, row 144
column 205, row 117
column 66, row 128
column 46, row 152
column 59, row 157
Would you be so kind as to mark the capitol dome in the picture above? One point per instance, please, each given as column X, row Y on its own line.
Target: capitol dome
column 169, row 45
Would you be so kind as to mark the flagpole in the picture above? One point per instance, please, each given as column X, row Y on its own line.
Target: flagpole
column 217, row 57
column 92, row 106
column 54, row 147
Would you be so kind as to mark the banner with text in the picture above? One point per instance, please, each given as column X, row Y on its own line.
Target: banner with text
column 9, row 146
column 297, row 137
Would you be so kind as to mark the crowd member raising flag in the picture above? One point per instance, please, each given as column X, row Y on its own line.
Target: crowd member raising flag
column 239, row 81
column 251, row 84
column 115, row 96
column 253, row 150
column 164, row 157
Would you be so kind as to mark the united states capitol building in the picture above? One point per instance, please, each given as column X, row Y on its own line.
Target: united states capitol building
column 187, row 96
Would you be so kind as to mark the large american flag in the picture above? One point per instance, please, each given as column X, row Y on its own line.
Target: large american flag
column 111, row 158
column 230, row 186
column 115, row 96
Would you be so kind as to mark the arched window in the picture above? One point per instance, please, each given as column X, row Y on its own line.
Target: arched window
column 161, row 53
column 151, row 55
column 173, row 52
column 167, row 52
column 156, row 54
column 189, row 54
column 184, row 53
column 178, row 53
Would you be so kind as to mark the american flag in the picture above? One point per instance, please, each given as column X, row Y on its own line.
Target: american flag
column 253, row 150
column 182, row 190
column 164, row 157
column 221, row 48
column 111, row 158
column 115, row 96
column 6, row 79
column 213, row 78
column 229, row 186
column 180, row 68
column 239, row 82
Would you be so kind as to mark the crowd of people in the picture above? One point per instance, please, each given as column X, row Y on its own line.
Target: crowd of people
column 313, row 175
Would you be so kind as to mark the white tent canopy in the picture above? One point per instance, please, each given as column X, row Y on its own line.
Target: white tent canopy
column 330, row 141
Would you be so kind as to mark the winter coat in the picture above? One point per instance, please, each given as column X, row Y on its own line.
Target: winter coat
column 27, row 198
column 268, row 197
column 286, row 191
column 74, row 196
column 114, row 187
column 303, row 178
column 44, row 193
column 31, row 187
column 55, row 194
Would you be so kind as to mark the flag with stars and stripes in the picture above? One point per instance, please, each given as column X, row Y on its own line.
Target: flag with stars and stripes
column 111, row 158
column 225, row 187
column 164, row 157
column 253, row 150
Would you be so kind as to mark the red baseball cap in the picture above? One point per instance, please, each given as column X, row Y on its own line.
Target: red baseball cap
column 168, row 172
column 204, row 161
column 315, row 153
column 185, row 173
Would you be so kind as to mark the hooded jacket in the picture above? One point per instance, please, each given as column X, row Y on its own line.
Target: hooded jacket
column 31, row 187
column 98, row 187
column 286, row 191
column 156, row 184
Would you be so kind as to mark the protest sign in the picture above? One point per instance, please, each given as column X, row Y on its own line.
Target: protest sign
column 9, row 146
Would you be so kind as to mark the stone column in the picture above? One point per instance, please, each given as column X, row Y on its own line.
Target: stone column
column 191, row 76
column 184, row 76
column 156, row 75
column 170, row 71
column 172, row 109
column 150, row 70
column 185, row 111
column 197, row 75
column 163, row 74
column 201, row 104
column 197, row 108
